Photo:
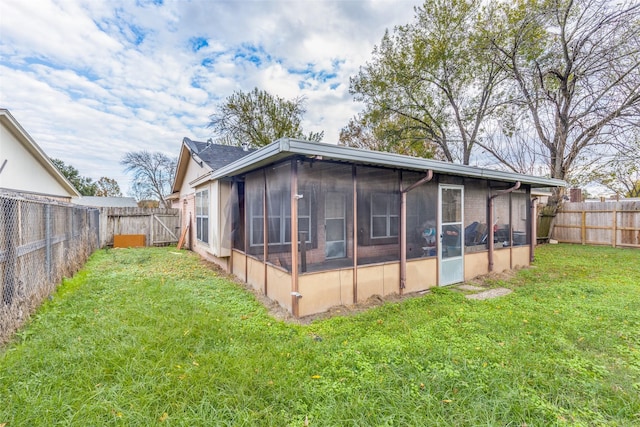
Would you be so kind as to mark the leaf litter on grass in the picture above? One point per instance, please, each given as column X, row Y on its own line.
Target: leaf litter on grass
column 437, row 359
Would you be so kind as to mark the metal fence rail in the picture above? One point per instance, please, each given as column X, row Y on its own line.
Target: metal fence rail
column 40, row 243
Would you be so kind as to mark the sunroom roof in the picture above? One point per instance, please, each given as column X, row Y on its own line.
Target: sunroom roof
column 287, row 147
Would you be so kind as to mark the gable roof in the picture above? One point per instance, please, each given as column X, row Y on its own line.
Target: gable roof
column 216, row 155
column 35, row 151
column 213, row 156
column 286, row 147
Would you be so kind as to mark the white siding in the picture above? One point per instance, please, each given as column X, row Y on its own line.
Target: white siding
column 23, row 172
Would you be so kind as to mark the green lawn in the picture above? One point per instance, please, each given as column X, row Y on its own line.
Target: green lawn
column 153, row 337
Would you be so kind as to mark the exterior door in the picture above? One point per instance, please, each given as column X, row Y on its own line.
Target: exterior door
column 451, row 249
column 335, row 225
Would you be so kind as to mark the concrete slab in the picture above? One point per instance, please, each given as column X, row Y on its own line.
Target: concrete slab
column 491, row 293
column 470, row 288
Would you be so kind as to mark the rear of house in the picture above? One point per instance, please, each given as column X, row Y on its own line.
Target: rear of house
column 315, row 225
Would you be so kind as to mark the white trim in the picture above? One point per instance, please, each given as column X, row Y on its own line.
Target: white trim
column 34, row 149
column 441, row 225
column 286, row 147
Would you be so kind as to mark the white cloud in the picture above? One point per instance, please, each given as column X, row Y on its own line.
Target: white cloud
column 93, row 79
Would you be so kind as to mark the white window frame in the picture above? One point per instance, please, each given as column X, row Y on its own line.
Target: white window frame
column 284, row 219
column 202, row 214
column 390, row 213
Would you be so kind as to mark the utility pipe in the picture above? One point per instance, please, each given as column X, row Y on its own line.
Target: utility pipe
column 491, row 232
column 403, row 227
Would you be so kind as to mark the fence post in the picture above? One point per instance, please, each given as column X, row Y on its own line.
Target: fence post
column 584, row 227
column 615, row 226
column 9, row 279
column 47, row 239
column 96, row 220
column 151, row 224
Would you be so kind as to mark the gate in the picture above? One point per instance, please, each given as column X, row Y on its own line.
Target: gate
column 160, row 227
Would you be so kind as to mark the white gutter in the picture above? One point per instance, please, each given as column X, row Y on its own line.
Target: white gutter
column 286, row 147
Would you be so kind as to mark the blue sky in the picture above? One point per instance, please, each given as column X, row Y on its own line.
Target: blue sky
column 91, row 80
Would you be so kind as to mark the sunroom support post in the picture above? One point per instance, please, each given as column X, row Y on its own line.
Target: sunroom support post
column 533, row 217
column 403, row 227
column 491, row 231
column 510, row 231
column 265, row 232
column 354, row 180
column 295, row 295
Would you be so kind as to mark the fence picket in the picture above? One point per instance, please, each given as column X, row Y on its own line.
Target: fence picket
column 599, row 223
column 140, row 221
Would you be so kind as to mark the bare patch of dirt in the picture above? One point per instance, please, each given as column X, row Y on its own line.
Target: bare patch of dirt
column 350, row 310
column 492, row 279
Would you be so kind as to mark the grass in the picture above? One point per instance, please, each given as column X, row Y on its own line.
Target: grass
column 153, row 337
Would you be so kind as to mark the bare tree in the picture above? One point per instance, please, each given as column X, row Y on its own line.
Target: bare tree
column 153, row 174
column 621, row 172
column 434, row 78
column 576, row 69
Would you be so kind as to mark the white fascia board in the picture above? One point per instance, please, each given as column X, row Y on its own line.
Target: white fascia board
column 201, row 179
column 32, row 147
column 286, row 147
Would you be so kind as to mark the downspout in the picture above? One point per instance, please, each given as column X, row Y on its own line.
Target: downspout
column 403, row 227
column 491, row 234
column 534, row 233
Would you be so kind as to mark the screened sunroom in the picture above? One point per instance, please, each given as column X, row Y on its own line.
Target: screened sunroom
column 314, row 225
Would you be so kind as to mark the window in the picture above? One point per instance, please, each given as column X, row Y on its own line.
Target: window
column 256, row 220
column 279, row 218
column 385, row 216
column 304, row 215
column 202, row 216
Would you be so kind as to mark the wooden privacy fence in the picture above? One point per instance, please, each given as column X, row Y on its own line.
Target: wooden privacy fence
column 159, row 226
column 599, row 223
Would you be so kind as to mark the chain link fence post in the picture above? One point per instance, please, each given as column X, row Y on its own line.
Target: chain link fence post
column 40, row 243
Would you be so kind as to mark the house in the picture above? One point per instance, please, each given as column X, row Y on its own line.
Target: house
column 202, row 201
column 25, row 169
column 106, row 202
column 315, row 225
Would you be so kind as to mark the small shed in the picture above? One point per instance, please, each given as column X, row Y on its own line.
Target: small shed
column 315, row 225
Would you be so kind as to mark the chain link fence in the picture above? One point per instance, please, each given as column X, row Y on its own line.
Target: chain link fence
column 40, row 243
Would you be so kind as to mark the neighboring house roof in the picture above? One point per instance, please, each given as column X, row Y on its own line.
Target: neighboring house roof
column 216, row 155
column 106, row 202
column 25, row 167
column 206, row 154
column 287, row 147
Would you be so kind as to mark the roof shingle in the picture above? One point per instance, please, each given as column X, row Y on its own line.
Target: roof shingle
column 216, row 155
